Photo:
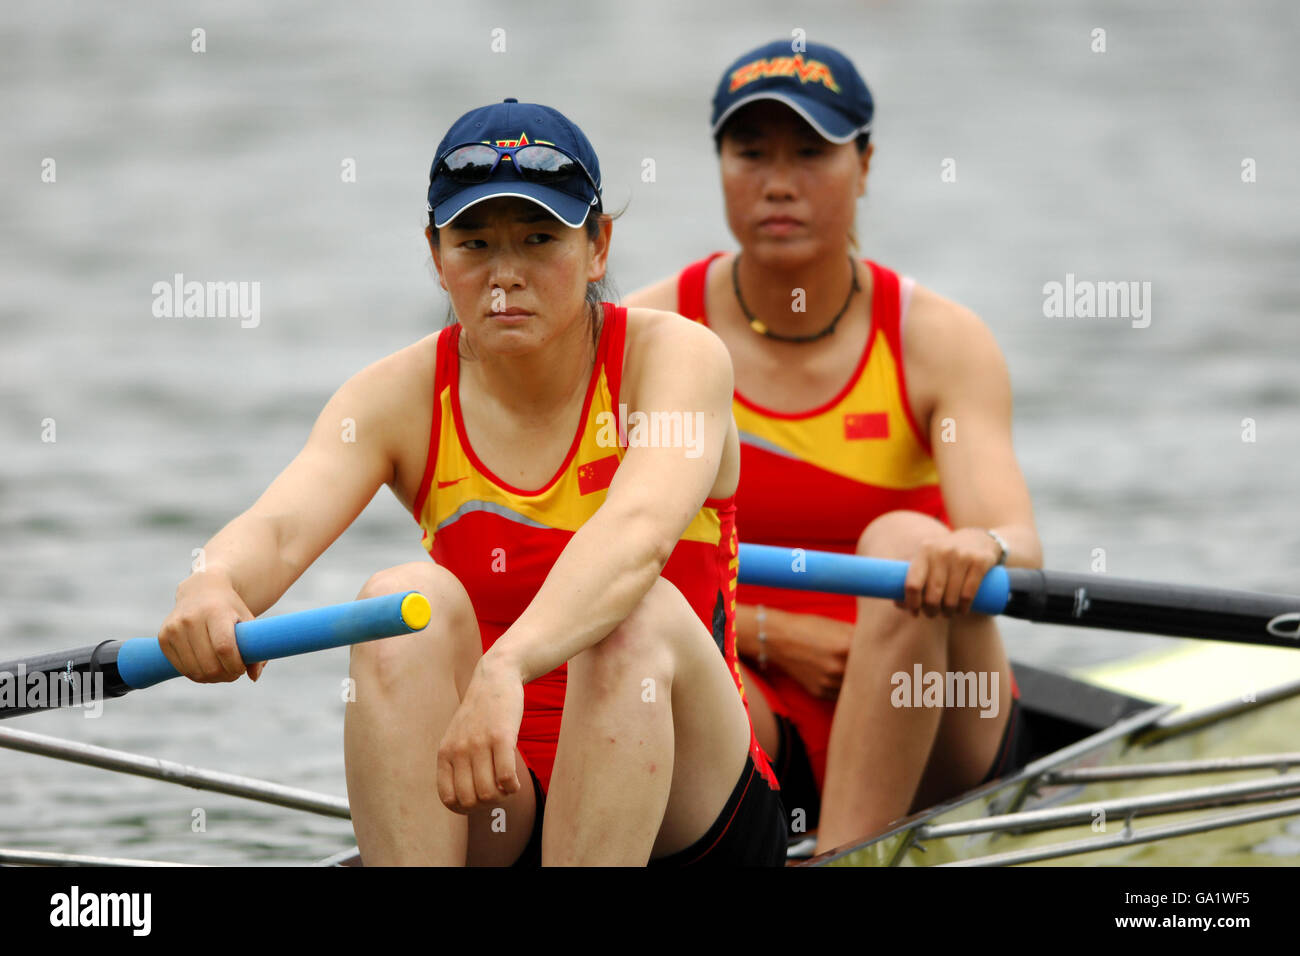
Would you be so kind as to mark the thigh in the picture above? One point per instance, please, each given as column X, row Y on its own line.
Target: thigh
column 662, row 657
column 711, row 731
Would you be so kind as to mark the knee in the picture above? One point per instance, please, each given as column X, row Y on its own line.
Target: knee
column 639, row 648
column 388, row 660
column 412, row 576
column 898, row 535
column 448, row 600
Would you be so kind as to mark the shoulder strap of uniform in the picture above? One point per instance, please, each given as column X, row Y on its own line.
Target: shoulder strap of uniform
column 690, row 289
column 613, row 340
column 448, row 357
column 885, row 307
column 444, row 366
column 886, row 315
column 613, row 337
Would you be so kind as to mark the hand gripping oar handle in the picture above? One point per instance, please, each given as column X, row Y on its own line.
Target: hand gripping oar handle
column 1055, row 597
column 803, row 570
column 141, row 662
column 113, row 668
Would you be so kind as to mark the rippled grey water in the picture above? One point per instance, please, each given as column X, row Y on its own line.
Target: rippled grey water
column 225, row 165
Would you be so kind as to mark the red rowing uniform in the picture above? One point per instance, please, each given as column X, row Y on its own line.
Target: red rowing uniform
column 817, row 478
column 501, row 541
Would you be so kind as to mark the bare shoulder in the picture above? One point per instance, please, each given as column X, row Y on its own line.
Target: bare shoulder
column 386, row 405
column 663, row 340
column 385, row 410
column 391, row 379
column 414, row 359
column 658, row 295
column 665, row 329
column 941, row 336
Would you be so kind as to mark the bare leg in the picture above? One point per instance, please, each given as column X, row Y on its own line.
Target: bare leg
column 407, row 689
column 880, row 754
column 498, row 834
column 653, row 739
column 969, row 736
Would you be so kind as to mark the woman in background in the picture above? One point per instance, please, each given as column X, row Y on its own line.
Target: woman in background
column 875, row 418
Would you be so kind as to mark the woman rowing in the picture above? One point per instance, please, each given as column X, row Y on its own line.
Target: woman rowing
column 875, row 417
column 575, row 697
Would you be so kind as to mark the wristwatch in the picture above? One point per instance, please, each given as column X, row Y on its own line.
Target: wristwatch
column 1002, row 558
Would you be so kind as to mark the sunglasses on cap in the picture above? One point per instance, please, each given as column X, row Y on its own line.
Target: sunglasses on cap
column 474, row 163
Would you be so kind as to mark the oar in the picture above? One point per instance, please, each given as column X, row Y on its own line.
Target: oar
column 1053, row 597
column 114, row 668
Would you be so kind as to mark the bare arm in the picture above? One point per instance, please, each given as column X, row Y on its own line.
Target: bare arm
column 967, row 392
column 810, row 648
column 970, row 429
column 254, row 559
column 611, row 562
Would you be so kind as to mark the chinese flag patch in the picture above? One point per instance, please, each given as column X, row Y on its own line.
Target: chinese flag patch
column 596, row 475
column 866, row 425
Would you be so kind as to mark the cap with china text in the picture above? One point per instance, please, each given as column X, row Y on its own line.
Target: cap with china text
column 816, row 81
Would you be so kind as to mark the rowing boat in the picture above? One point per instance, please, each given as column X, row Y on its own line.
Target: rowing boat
column 1131, row 762
column 1113, row 749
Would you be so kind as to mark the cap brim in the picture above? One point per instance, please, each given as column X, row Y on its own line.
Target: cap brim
column 829, row 124
column 570, row 210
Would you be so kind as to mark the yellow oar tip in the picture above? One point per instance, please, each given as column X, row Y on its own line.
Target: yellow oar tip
column 416, row 611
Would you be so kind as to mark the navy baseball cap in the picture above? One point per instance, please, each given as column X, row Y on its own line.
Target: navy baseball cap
column 512, row 123
column 817, row 82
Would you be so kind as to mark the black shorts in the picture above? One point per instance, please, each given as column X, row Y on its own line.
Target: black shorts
column 1014, row 751
column 750, row 830
column 799, row 786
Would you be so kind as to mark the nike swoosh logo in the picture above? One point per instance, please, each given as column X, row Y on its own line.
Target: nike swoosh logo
column 448, row 484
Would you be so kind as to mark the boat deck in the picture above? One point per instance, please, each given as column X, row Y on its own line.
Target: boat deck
column 1180, row 721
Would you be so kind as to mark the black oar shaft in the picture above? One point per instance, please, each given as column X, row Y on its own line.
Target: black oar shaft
column 1119, row 604
column 62, row 679
column 1055, row 597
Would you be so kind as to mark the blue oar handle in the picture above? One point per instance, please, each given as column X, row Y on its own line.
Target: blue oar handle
column 799, row 569
column 141, row 663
